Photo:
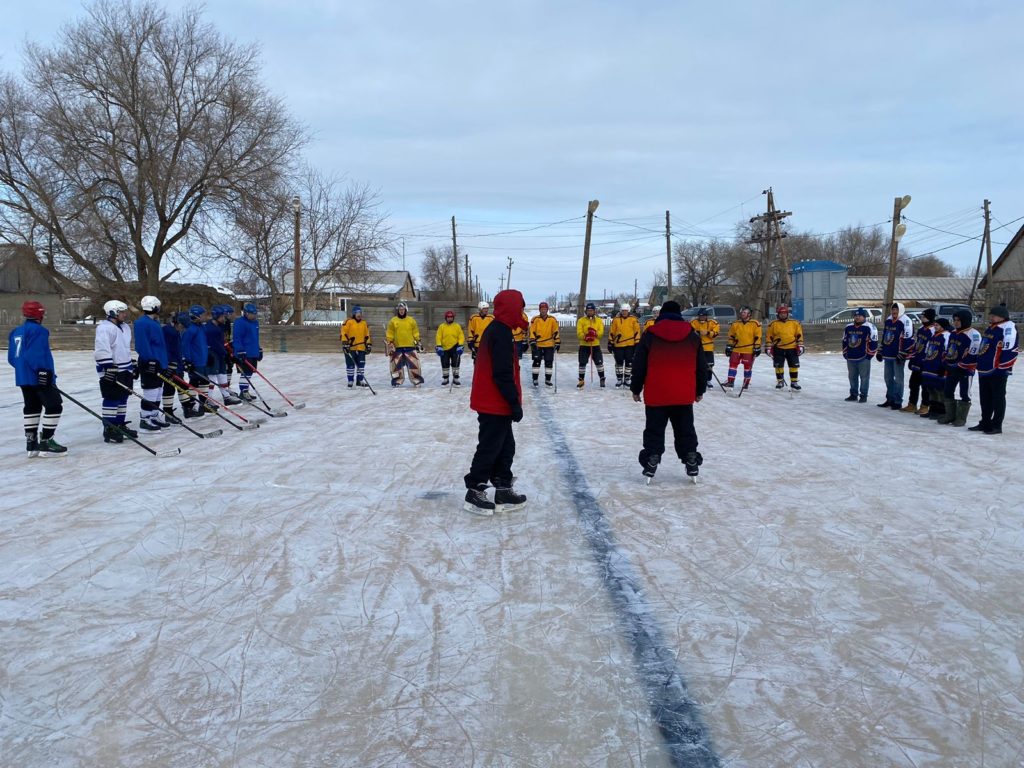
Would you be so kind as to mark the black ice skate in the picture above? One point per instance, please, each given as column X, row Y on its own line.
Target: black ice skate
column 149, row 426
column 231, row 400
column 32, row 446
column 51, row 448
column 477, row 502
column 112, row 434
column 507, row 500
column 651, row 466
column 692, row 461
column 779, row 384
column 249, row 397
column 794, row 386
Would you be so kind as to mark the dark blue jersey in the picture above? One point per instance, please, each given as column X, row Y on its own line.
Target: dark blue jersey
column 28, row 350
column 172, row 343
column 193, row 345
column 246, row 337
column 149, row 340
column 897, row 338
column 921, row 338
column 859, row 341
column 215, row 339
column 998, row 350
column 962, row 350
column 933, row 367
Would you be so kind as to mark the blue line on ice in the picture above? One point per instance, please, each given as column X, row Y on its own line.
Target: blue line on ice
column 673, row 709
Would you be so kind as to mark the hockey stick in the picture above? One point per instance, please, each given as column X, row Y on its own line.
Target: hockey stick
column 296, row 406
column 272, row 413
column 269, row 411
column 711, row 370
column 84, row 407
column 554, row 370
column 208, row 408
column 220, row 406
column 173, row 418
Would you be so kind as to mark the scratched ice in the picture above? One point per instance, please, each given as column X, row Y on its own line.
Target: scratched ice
column 842, row 588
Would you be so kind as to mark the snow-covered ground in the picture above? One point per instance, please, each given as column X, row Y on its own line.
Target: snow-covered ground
column 842, row 589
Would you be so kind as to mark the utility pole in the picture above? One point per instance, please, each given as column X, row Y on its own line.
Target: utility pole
column 469, row 280
column 668, row 255
column 510, row 263
column 501, row 282
column 455, row 257
column 636, row 299
column 591, row 207
column 770, row 232
column 990, row 289
column 898, row 230
column 297, row 309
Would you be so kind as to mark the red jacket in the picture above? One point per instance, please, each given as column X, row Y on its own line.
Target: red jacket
column 669, row 364
column 496, row 385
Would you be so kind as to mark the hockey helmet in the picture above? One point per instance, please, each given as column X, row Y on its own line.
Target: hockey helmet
column 543, row 305
column 448, row 314
column 625, row 307
column 702, row 312
column 217, row 310
column 150, row 304
column 113, row 307
column 228, row 309
column 181, row 319
column 590, row 305
column 357, row 310
column 250, row 309
column 483, row 305
column 196, row 311
column 782, row 308
column 656, row 309
column 746, row 309
column 402, row 306
column 33, row 310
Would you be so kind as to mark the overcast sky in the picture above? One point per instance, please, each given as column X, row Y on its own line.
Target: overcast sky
column 513, row 115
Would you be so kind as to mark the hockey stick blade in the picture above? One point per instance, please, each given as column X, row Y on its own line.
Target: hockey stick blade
column 165, row 454
column 247, row 427
column 300, row 406
column 212, row 433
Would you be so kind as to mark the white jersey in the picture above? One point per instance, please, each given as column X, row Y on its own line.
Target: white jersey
column 113, row 345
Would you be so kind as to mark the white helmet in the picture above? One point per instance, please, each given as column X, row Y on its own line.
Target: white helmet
column 625, row 307
column 112, row 307
column 483, row 305
column 150, row 304
column 656, row 309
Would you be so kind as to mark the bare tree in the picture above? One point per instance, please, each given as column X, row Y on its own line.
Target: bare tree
column 437, row 271
column 928, row 265
column 121, row 133
column 701, row 267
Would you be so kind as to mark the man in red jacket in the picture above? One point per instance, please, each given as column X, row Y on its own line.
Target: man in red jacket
column 668, row 368
column 497, row 397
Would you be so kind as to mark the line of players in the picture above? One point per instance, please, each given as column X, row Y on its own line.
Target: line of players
column 206, row 350
column 943, row 358
column 784, row 340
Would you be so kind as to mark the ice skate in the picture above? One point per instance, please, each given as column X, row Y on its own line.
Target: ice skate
column 112, row 434
column 795, row 386
column 231, row 400
column 692, row 461
column 51, row 448
column 149, row 426
column 651, row 466
column 477, row 503
column 507, row 500
column 31, row 446
column 779, row 384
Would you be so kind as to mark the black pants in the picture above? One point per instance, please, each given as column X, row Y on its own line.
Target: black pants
column 783, row 357
column 43, row 407
column 709, row 363
column 957, row 379
column 449, row 359
column 495, row 450
column 658, row 417
column 623, row 361
column 586, row 354
column 992, row 393
column 917, row 383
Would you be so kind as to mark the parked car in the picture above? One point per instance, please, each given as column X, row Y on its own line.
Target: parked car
column 723, row 313
column 846, row 315
column 947, row 310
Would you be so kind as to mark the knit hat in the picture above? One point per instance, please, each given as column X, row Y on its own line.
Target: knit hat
column 929, row 314
column 670, row 307
column 944, row 324
column 1000, row 311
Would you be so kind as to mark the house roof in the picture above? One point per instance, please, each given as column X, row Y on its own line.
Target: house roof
column 369, row 282
column 909, row 288
column 1007, row 251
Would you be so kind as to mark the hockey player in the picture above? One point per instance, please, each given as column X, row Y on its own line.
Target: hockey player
column 28, row 352
column 707, row 331
column 924, row 333
column 113, row 355
column 998, row 353
column 519, row 336
column 785, row 342
column 623, row 336
column 960, row 361
column 172, row 331
column 194, row 353
column 403, row 343
column 217, row 355
column 669, row 371
column 651, row 320
column 477, row 325
column 149, row 343
column 544, row 343
column 589, row 330
column 355, row 343
column 742, row 346
column 229, row 347
column 448, row 344
column 897, row 345
column 933, row 369
column 248, row 352
column 860, row 342
column 497, row 397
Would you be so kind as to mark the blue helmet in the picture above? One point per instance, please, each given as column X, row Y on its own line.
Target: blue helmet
column 196, row 311
column 228, row 309
column 591, row 305
column 249, row 307
column 181, row 318
column 357, row 310
column 217, row 311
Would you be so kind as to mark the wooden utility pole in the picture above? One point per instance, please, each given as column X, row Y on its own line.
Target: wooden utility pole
column 581, row 302
column 988, row 252
column 469, row 280
column 898, row 230
column 508, row 283
column 668, row 256
column 455, row 257
column 297, row 309
column 501, row 282
column 770, row 232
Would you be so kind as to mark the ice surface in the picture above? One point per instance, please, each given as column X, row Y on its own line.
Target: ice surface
column 843, row 588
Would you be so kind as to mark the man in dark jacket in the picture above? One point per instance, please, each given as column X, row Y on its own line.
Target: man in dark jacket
column 497, row 397
column 668, row 369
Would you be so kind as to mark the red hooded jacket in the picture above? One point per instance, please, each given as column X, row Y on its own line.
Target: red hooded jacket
column 496, row 385
column 669, row 364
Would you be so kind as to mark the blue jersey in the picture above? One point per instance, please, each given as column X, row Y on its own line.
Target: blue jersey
column 998, row 350
column 921, row 339
column 193, row 345
column 246, row 337
column 28, row 350
column 172, row 343
column 149, row 340
column 215, row 339
column 859, row 341
column 897, row 338
column 962, row 350
column 933, row 368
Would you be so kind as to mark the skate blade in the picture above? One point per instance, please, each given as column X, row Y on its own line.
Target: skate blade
column 32, row 454
column 475, row 510
column 509, row 507
column 649, row 478
column 45, row 455
column 693, row 479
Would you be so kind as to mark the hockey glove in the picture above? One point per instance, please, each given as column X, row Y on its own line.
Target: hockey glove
column 110, row 373
column 728, row 350
column 591, row 335
column 439, row 350
column 152, row 367
column 369, row 348
column 557, row 347
column 799, row 349
column 260, row 355
column 878, row 356
column 45, row 378
column 757, row 351
column 458, row 350
column 346, row 347
column 419, row 346
column 241, row 358
column 517, row 413
column 611, row 348
column 135, row 369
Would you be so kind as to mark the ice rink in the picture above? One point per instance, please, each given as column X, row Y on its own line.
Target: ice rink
column 843, row 587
